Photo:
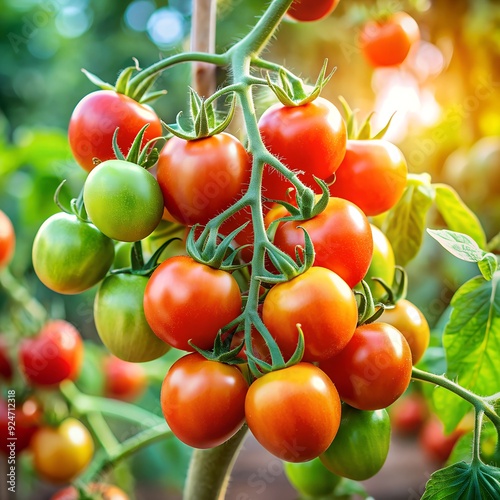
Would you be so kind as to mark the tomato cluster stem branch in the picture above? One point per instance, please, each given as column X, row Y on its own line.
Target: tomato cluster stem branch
column 476, row 446
column 480, row 404
column 105, row 460
column 102, row 432
column 209, row 469
column 85, row 404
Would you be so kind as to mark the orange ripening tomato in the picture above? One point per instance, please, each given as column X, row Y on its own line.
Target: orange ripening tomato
column 372, row 175
column 387, row 42
column 294, row 412
column 7, row 240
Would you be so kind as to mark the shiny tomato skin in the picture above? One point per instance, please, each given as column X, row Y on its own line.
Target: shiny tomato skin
column 27, row 417
column 185, row 300
column 123, row 200
column 95, row 119
column 201, row 178
column 7, row 239
column 310, row 138
column 410, row 321
column 69, row 255
column 120, row 320
column 322, row 303
column 294, row 412
column 374, row 369
column 61, row 453
column 361, row 445
column 123, row 380
column 104, row 492
column 388, row 41
column 372, row 175
column 203, row 401
column 341, row 236
column 307, row 10
column 53, row 355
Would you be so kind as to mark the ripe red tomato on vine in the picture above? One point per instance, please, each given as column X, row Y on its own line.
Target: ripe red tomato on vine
column 311, row 10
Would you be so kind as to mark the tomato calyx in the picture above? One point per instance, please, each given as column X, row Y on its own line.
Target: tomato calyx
column 204, row 119
column 222, row 351
column 140, row 94
column 363, row 130
column 398, row 290
column 76, row 207
column 291, row 91
column 368, row 310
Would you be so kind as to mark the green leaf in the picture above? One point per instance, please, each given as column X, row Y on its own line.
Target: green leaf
column 464, row 481
column 457, row 215
column 465, row 248
column 404, row 224
column 472, row 343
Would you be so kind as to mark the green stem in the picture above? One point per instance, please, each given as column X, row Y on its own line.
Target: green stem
column 104, row 460
column 479, row 403
column 209, row 469
column 102, row 432
column 85, row 404
column 476, row 444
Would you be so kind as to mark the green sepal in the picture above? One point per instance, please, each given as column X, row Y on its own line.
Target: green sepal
column 123, row 79
column 222, row 351
column 97, row 81
column 368, row 311
column 135, row 150
column 145, row 157
column 143, row 88
column 152, row 96
column 291, row 91
column 116, row 149
column 399, row 287
column 77, row 206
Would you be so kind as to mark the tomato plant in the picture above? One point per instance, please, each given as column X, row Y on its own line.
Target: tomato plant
column 294, row 413
column 70, row 255
column 95, row 120
column 303, row 10
column 7, row 239
column 372, row 175
column 387, row 41
column 341, row 236
column 411, row 322
column 311, row 478
column 201, row 178
column 53, row 355
column 361, row 445
column 324, row 306
column 123, row 380
column 309, row 138
column 62, row 452
column 123, row 200
column 120, row 320
column 203, row 401
column 374, row 369
column 188, row 301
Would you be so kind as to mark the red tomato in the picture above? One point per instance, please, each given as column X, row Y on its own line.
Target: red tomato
column 201, row 178
column 341, row 236
column 311, row 10
column 18, row 420
column 294, row 413
column 203, row 401
column 310, row 139
column 5, row 361
column 322, row 303
column 105, row 492
column 7, row 240
column 374, row 369
column 409, row 413
column 54, row 355
column 95, row 119
column 410, row 321
column 372, row 175
column 436, row 444
column 123, row 380
column 387, row 42
column 185, row 300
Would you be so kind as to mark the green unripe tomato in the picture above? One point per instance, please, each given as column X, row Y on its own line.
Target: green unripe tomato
column 123, row 200
column 120, row 321
column 361, row 445
column 311, row 478
column 382, row 265
column 70, row 255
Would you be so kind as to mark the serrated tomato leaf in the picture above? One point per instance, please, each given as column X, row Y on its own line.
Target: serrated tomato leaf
column 404, row 224
column 465, row 248
column 457, row 215
column 463, row 481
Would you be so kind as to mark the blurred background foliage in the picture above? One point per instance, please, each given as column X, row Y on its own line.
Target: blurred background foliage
column 446, row 97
